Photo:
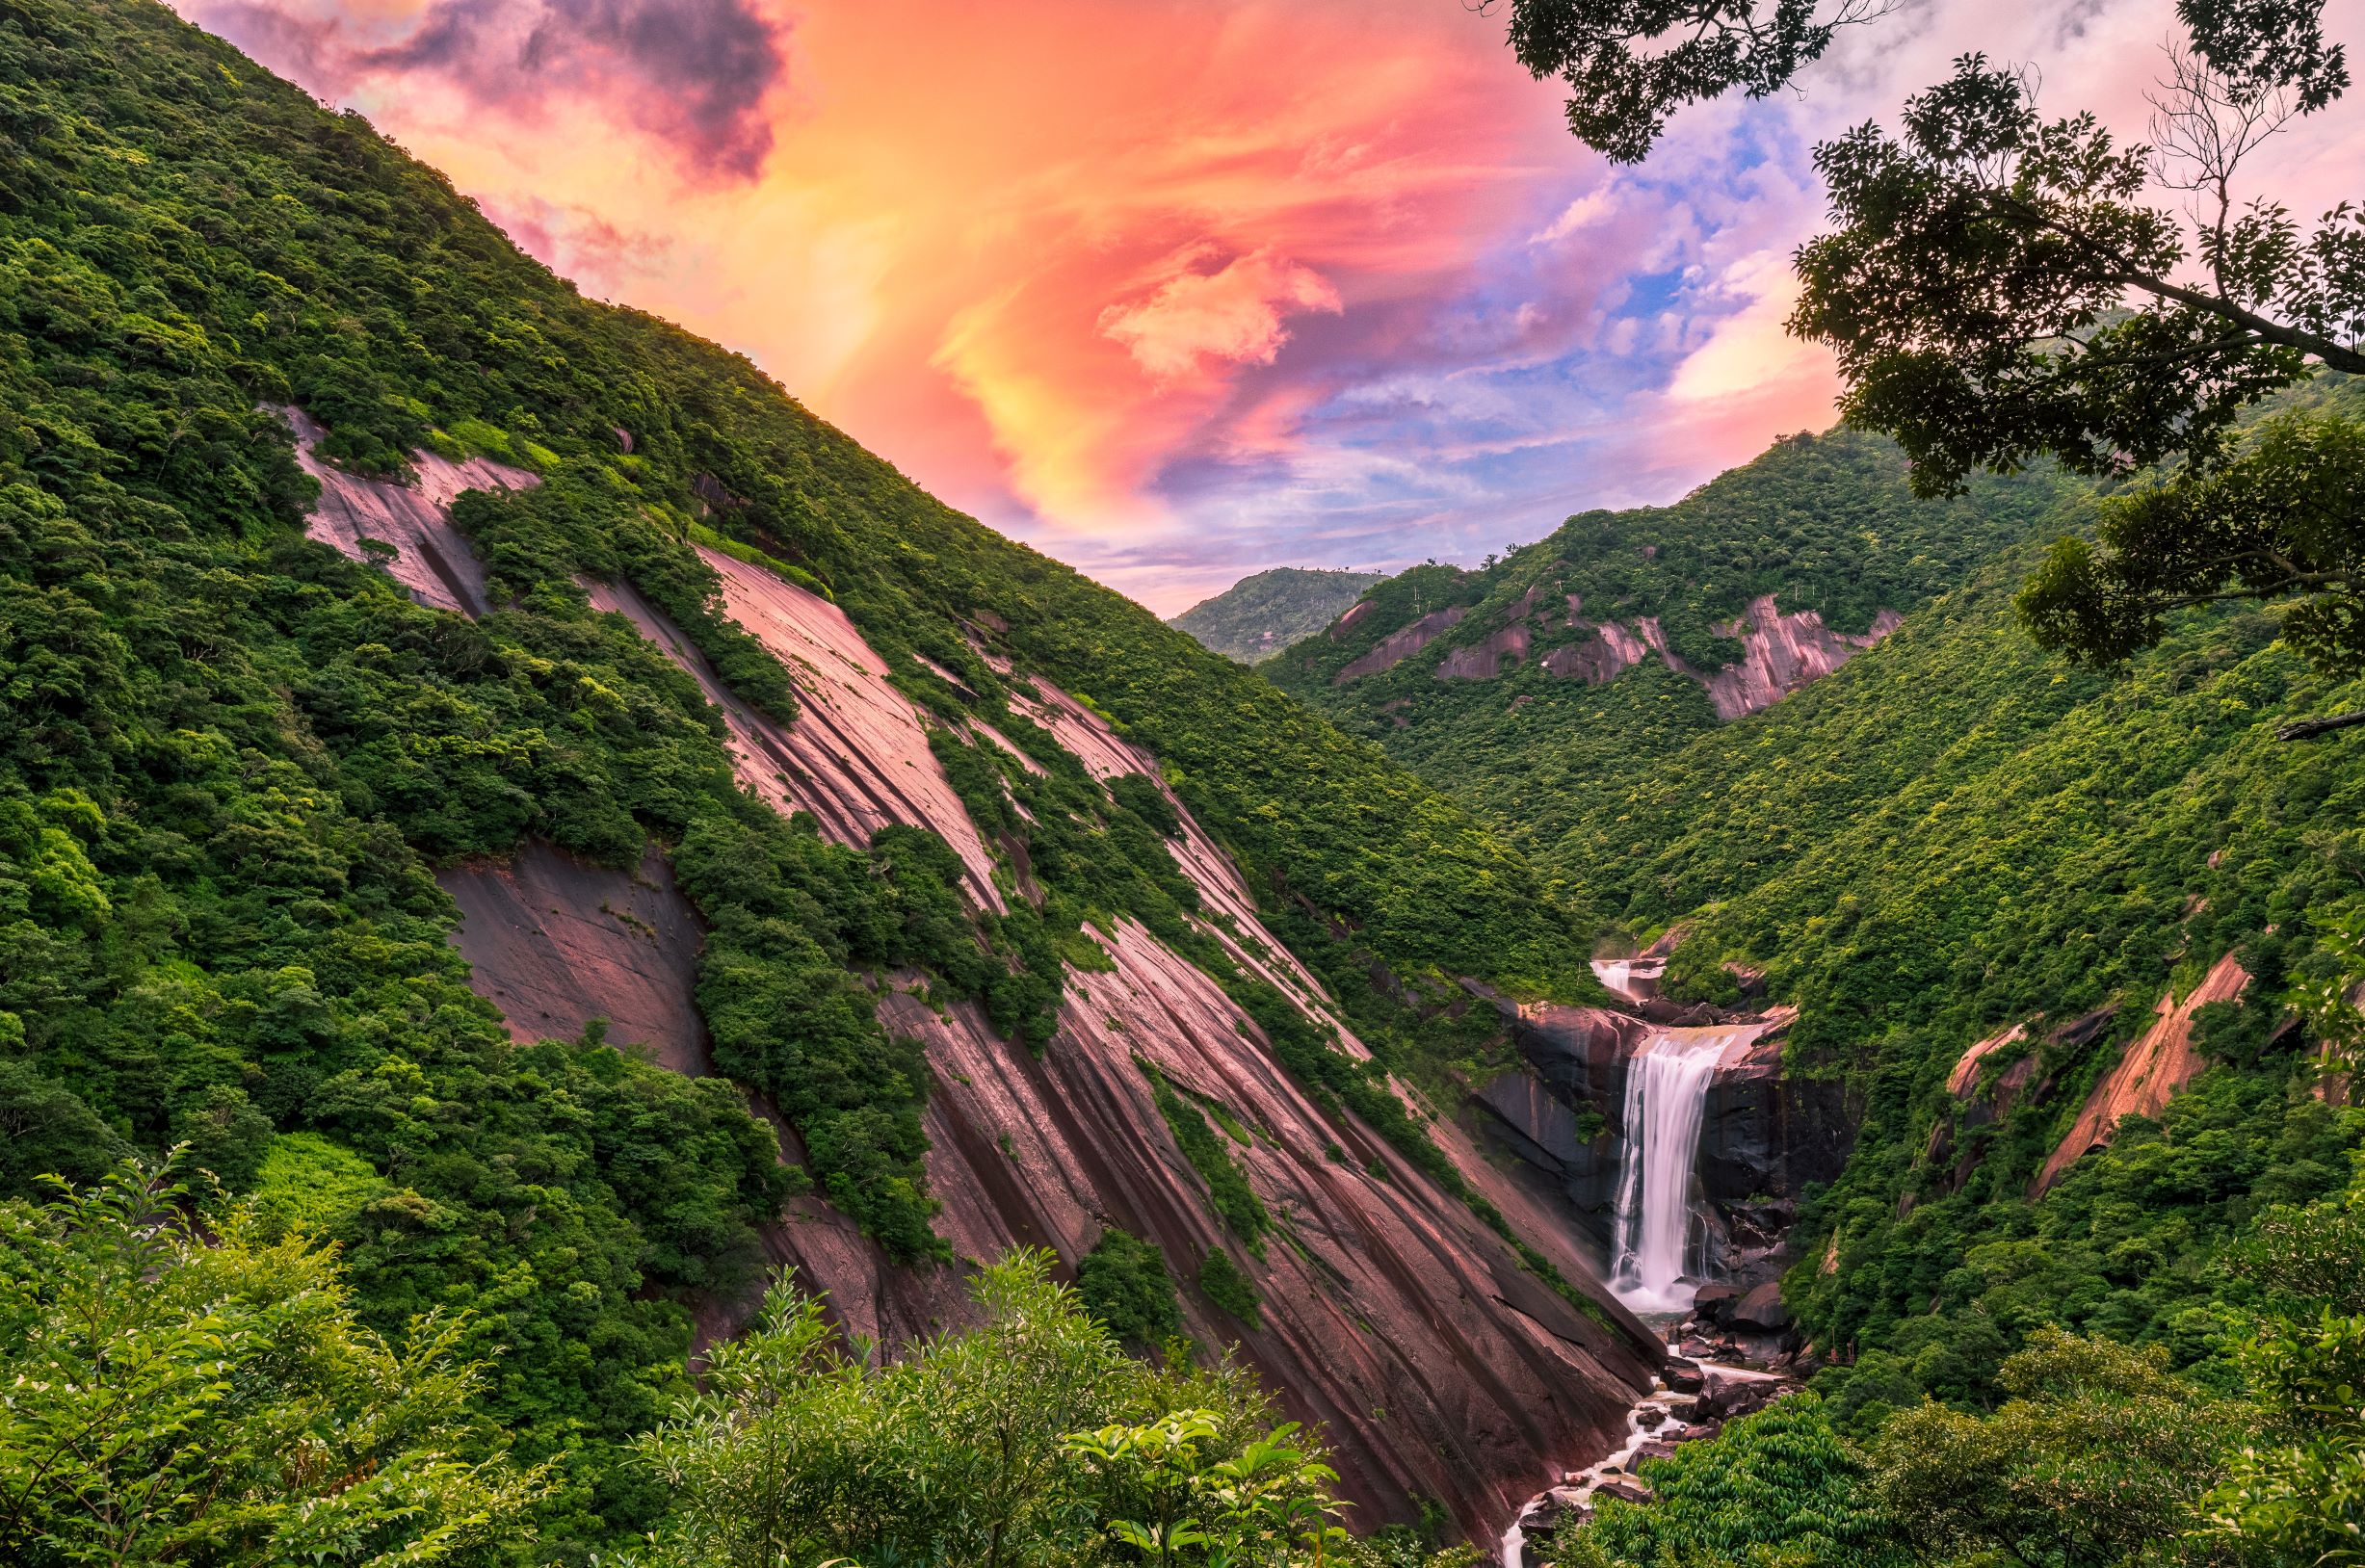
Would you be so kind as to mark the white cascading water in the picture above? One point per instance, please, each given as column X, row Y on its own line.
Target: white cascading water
column 1661, row 1245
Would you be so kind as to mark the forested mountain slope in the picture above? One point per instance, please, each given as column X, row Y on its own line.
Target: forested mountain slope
column 2012, row 903
column 1976, row 873
column 1561, row 672
column 987, row 888
column 1258, row 617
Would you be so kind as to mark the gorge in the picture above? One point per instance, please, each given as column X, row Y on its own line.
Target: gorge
column 546, row 890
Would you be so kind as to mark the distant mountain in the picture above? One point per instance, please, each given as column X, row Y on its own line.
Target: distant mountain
column 1555, row 678
column 1258, row 617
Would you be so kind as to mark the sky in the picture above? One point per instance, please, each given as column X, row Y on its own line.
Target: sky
column 1179, row 289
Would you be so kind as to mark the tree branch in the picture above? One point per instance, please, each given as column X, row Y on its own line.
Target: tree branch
column 2290, row 337
column 2307, row 729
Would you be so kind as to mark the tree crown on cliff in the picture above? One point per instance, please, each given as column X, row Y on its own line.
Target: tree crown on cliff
column 2001, row 288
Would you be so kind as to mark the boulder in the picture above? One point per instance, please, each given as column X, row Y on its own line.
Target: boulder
column 1649, row 1417
column 1715, row 1303
column 1683, row 1374
column 1560, row 1509
column 1727, row 1398
column 1623, row 1489
column 1654, row 1450
column 1762, row 1309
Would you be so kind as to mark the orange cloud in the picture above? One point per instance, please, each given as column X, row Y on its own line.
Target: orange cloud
column 1027, row 251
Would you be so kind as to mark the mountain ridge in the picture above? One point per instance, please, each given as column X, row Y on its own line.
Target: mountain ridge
column 1262, row 614
column 1565, row 669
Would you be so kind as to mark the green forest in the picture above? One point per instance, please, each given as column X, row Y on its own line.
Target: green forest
column 1821, row 522
column 304, row 1259
column 1262, row 615
column 1954, row 833
column 231, row 760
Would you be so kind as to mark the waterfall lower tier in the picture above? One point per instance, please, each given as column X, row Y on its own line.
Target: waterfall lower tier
column 1662, row 1250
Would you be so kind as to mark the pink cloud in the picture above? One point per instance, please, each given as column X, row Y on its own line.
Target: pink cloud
column 1155, row 280
column 1233, row 313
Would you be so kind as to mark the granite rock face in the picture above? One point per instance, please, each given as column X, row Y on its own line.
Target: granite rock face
column 1400, row 645
column 556, row 942
column 405, row 529
column 1442, row 1367
column 1485, row 661
column 1780, row 652
column 2149, row 1072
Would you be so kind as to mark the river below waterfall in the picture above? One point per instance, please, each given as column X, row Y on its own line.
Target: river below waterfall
column 1662, row 1417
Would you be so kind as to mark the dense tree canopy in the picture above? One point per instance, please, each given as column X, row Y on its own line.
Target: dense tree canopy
column 2002, row 288
column 204, row 1394
column 1632, row 64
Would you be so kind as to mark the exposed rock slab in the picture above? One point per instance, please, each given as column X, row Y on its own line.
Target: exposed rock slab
column 1782, row 653
column 1600, row 658
column 1485, row 661
column 1965, row 1075
column 1402, row 643
column 763, row 753
column 856, row 756
column 1441, row 1366
column 2150, row 1072
column 1106, row 755
column 431, row 558
column 860, row 746
column 1383, row 1295
column 555, row 942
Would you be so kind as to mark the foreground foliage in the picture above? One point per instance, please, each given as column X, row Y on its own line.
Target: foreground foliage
column 181, row 1388
column 2100, row 1456
column 178, row 1397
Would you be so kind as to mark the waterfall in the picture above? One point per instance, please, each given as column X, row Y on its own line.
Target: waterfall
column 1630, row 979
column 1660, row 1245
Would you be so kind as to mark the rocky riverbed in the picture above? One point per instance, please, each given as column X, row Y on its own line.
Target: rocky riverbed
column 1689, row 1402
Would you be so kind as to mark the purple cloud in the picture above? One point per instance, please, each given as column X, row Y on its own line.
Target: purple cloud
column 693, row 73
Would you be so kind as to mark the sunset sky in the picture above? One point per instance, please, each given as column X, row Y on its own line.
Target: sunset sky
column 1177, row 290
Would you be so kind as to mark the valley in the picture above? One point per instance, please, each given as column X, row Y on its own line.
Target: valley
column 591, row 975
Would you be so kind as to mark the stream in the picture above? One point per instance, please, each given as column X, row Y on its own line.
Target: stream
column 1658, row 1415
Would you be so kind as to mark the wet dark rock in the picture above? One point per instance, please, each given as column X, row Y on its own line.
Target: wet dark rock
column 1765, row 1135
column 1728, row 1399
column 1762, row 1309
column 1625, row 1491
column 1713, row 1303
column 1684, row 1375
column 1654, row 1450
column 1558, row 1509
